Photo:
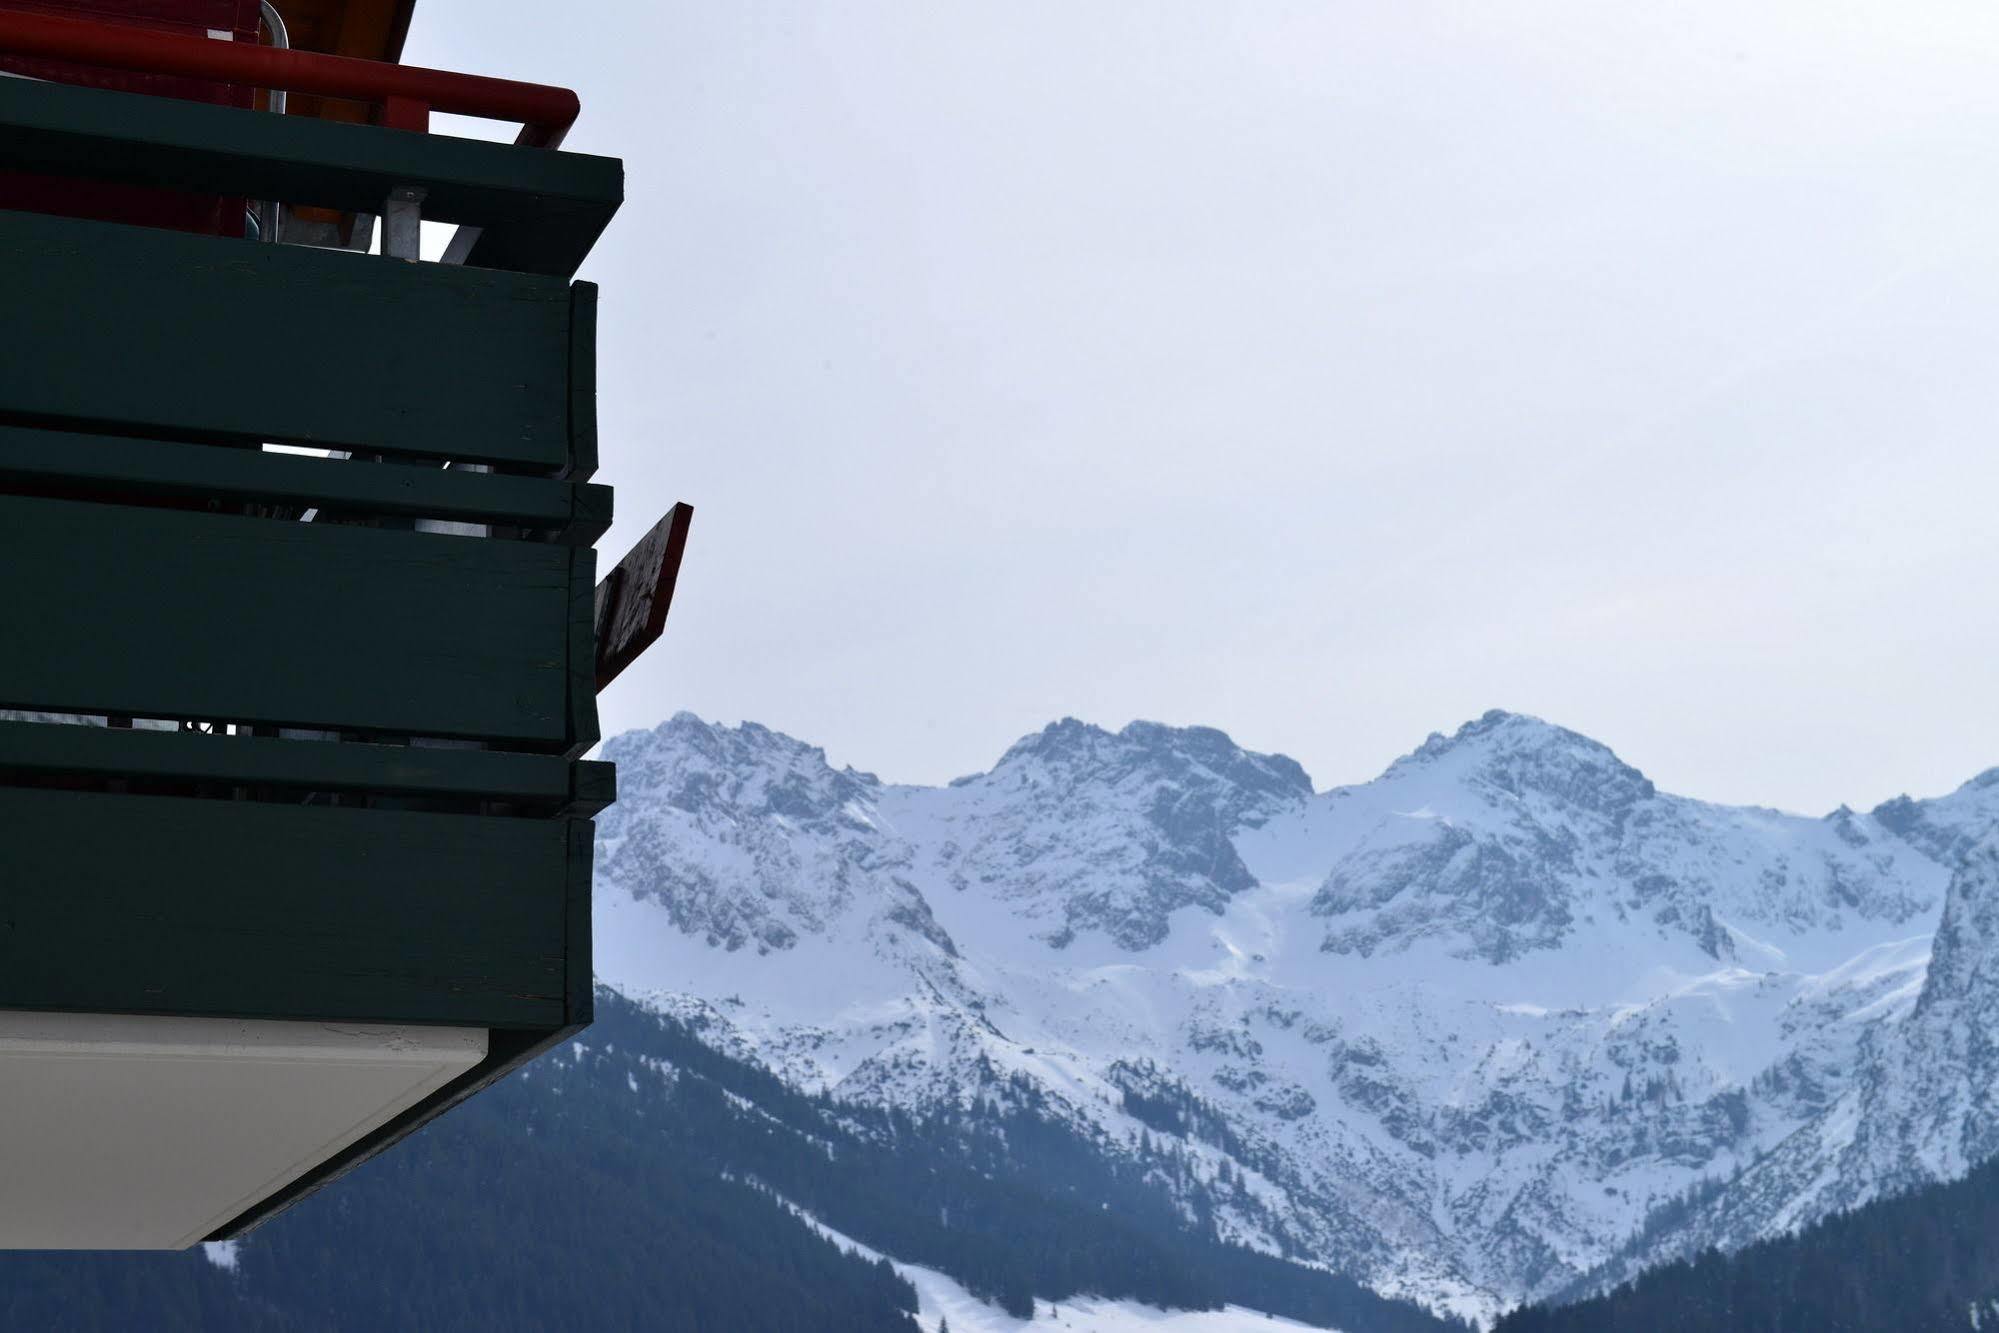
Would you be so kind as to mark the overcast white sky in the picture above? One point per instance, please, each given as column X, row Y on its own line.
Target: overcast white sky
column 1325, row 372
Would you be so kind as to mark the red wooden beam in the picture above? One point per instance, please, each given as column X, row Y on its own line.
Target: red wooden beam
column 544, row 113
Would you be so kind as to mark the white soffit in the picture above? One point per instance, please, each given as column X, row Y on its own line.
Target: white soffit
column 132, row 1133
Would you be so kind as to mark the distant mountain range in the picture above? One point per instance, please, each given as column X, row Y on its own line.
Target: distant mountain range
column 1142, row 1018
column 1505, row 1023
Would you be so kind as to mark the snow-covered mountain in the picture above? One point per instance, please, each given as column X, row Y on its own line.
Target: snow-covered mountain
column 1459, row 1031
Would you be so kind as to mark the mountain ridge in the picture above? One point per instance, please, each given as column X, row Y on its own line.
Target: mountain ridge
column 1465, row 1025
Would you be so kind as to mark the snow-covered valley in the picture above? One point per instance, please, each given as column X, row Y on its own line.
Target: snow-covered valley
column 1468, row 1031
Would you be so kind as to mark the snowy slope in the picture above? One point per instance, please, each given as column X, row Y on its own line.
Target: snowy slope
column 1459, row 1030
column 942, row 1302
column 1920, row 1102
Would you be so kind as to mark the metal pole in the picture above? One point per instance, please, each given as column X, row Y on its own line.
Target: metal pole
column 281, row 38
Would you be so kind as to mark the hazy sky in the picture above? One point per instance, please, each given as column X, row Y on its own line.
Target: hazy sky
column 1324, row 372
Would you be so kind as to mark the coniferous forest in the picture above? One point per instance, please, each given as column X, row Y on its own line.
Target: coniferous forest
column 640, row 1179
column 1924, row 1260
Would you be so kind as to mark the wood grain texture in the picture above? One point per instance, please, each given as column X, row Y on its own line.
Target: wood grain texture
column 169, row 905
column 165, row 613
column 152, row 331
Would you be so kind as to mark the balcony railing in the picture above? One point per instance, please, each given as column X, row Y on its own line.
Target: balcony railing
column 428, row 861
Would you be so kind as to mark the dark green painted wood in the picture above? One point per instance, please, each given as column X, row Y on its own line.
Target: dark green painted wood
column 541, row 211
column 579, row 999
column 160, row 332
column 595, row 506
column 164, row 613
column 582, row 682
column 88, row 465
column 594, row 785
column 583, row 380
column 168, row 905
column 540, row 783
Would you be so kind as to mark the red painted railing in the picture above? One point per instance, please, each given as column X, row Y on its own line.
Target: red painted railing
column 407, row 94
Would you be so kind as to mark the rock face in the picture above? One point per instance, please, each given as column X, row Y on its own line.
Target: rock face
column 1091, row 831
column 1932, row 1108
column 1920, row 1102
column 789, row 840
column 1549, row 829
column 1461, row 1030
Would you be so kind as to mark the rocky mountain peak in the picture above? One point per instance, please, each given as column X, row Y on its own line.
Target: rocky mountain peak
column 1504, row 837
column 696, row 766
column 1518, row 754
column 1065, row 738
column 798, row 837
column 1072, row 754
column 1093, row 830
column 1949, row 827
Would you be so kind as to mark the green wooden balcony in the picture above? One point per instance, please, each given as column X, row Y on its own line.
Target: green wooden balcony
column 296, row 546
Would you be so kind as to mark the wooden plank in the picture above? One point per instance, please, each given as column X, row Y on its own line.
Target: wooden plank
column 89, row 465
column 170, row 905
column 582, row 682
column 540, row 211
column 593, row 513
column 632, row 601
column 541, row 782
column 583, row 381
column 172, row 614
column 594, row 785
column 579, row 997
column 159, row 332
